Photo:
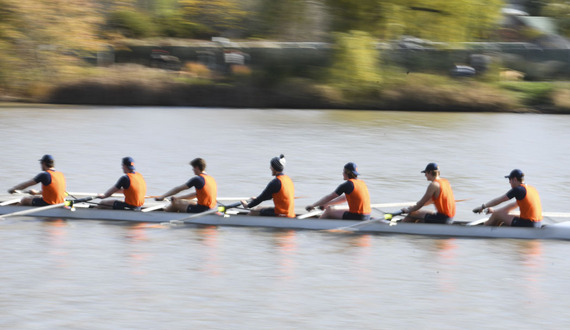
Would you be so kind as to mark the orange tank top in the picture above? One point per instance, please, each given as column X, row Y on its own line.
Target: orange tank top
column 284, row 199
column 530, row 206
column 359, row 199
column 134, row 195
column 208, row 195
column 445, row 202
column 54, row 193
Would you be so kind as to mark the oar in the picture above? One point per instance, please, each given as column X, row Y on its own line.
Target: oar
column 93, row 194
column 387, row 216
column 400, row 204
column 556, row 214
column 10, row 202
column 229, row 199
column 22, row 192
column 220, row 209
column 48, row 207
column 316, row 212
column 391, row 216
column 544, row 214
column 477, row 222
column 154, row 208
column 35, row 210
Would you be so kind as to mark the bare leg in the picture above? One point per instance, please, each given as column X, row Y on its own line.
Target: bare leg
column 417, row 216
column 333, row 212
column 255, row 211
column 502, row 216
column 27, row 201
column 106, row 204
column 179, row 205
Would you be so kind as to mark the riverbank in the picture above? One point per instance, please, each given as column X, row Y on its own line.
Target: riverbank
column 137, row 86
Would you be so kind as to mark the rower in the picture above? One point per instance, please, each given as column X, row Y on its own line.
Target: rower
column 53, row 185
column 527, row 200
column 206, row 191
column 132, row 185
column 280, row 189
column 439, row 193
column 353, row 191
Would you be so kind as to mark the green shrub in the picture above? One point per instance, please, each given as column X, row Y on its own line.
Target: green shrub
column 132, row 24
column 355, row 66
column 531, row 93
column 175, row 26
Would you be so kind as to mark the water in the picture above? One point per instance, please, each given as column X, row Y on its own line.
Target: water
column 100, row 275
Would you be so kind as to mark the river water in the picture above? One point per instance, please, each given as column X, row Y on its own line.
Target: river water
column 101, row 275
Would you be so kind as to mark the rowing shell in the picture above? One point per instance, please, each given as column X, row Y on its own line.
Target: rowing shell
column 551, row 231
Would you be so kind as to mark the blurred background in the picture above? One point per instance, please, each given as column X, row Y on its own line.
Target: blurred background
column 364, row 54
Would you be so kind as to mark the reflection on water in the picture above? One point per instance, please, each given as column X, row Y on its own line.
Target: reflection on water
column 54, row 233
column 446, row 258
column 532, row 272
column 286, row 244
column 208, row 236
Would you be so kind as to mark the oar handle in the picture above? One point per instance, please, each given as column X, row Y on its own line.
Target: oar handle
column 221, row 209
column 390, row 215
column 224, row 208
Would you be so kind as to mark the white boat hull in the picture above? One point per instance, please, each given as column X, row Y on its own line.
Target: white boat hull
column 555, row 231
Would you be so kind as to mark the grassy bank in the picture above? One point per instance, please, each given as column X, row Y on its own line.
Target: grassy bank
column 141, row 86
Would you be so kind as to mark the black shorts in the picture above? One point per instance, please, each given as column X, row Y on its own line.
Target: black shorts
column 437, row 218
column 267, row 212
column 196, row 208
column 39, row 201
column 355, row 216
column 118, row 205
column 519, row 222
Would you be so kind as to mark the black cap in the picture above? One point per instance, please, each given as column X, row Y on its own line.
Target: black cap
column 431, row 167
column 352, row 168
column 47, row 159
column 129, row 163
column 516, row 173
column 278, row 163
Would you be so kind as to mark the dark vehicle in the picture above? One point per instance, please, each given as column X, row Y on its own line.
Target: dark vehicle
column 163, row 60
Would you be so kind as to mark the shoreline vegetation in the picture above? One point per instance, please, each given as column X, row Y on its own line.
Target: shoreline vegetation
column 134, row 85
column 333, row 54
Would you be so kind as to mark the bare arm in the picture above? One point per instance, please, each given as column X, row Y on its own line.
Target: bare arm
column 172, row 191
column 338, row 200
column 109, row 192
column 431, row 190
column 22, row 186
column 187, row 196
column 324, row 201
column 493, row 202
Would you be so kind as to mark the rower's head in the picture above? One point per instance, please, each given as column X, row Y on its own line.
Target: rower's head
column 277, row 164
column 47, row 162
column 198, row 165
column 516, row 177
column 431, row 171
column 350, row 171
column 128, row 164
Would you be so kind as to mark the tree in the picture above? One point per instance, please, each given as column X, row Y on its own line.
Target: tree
column 560, row 10
column 441, row 20
column 41, row 40
column 358, row 15
column 356, row 67
column 218, row 15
